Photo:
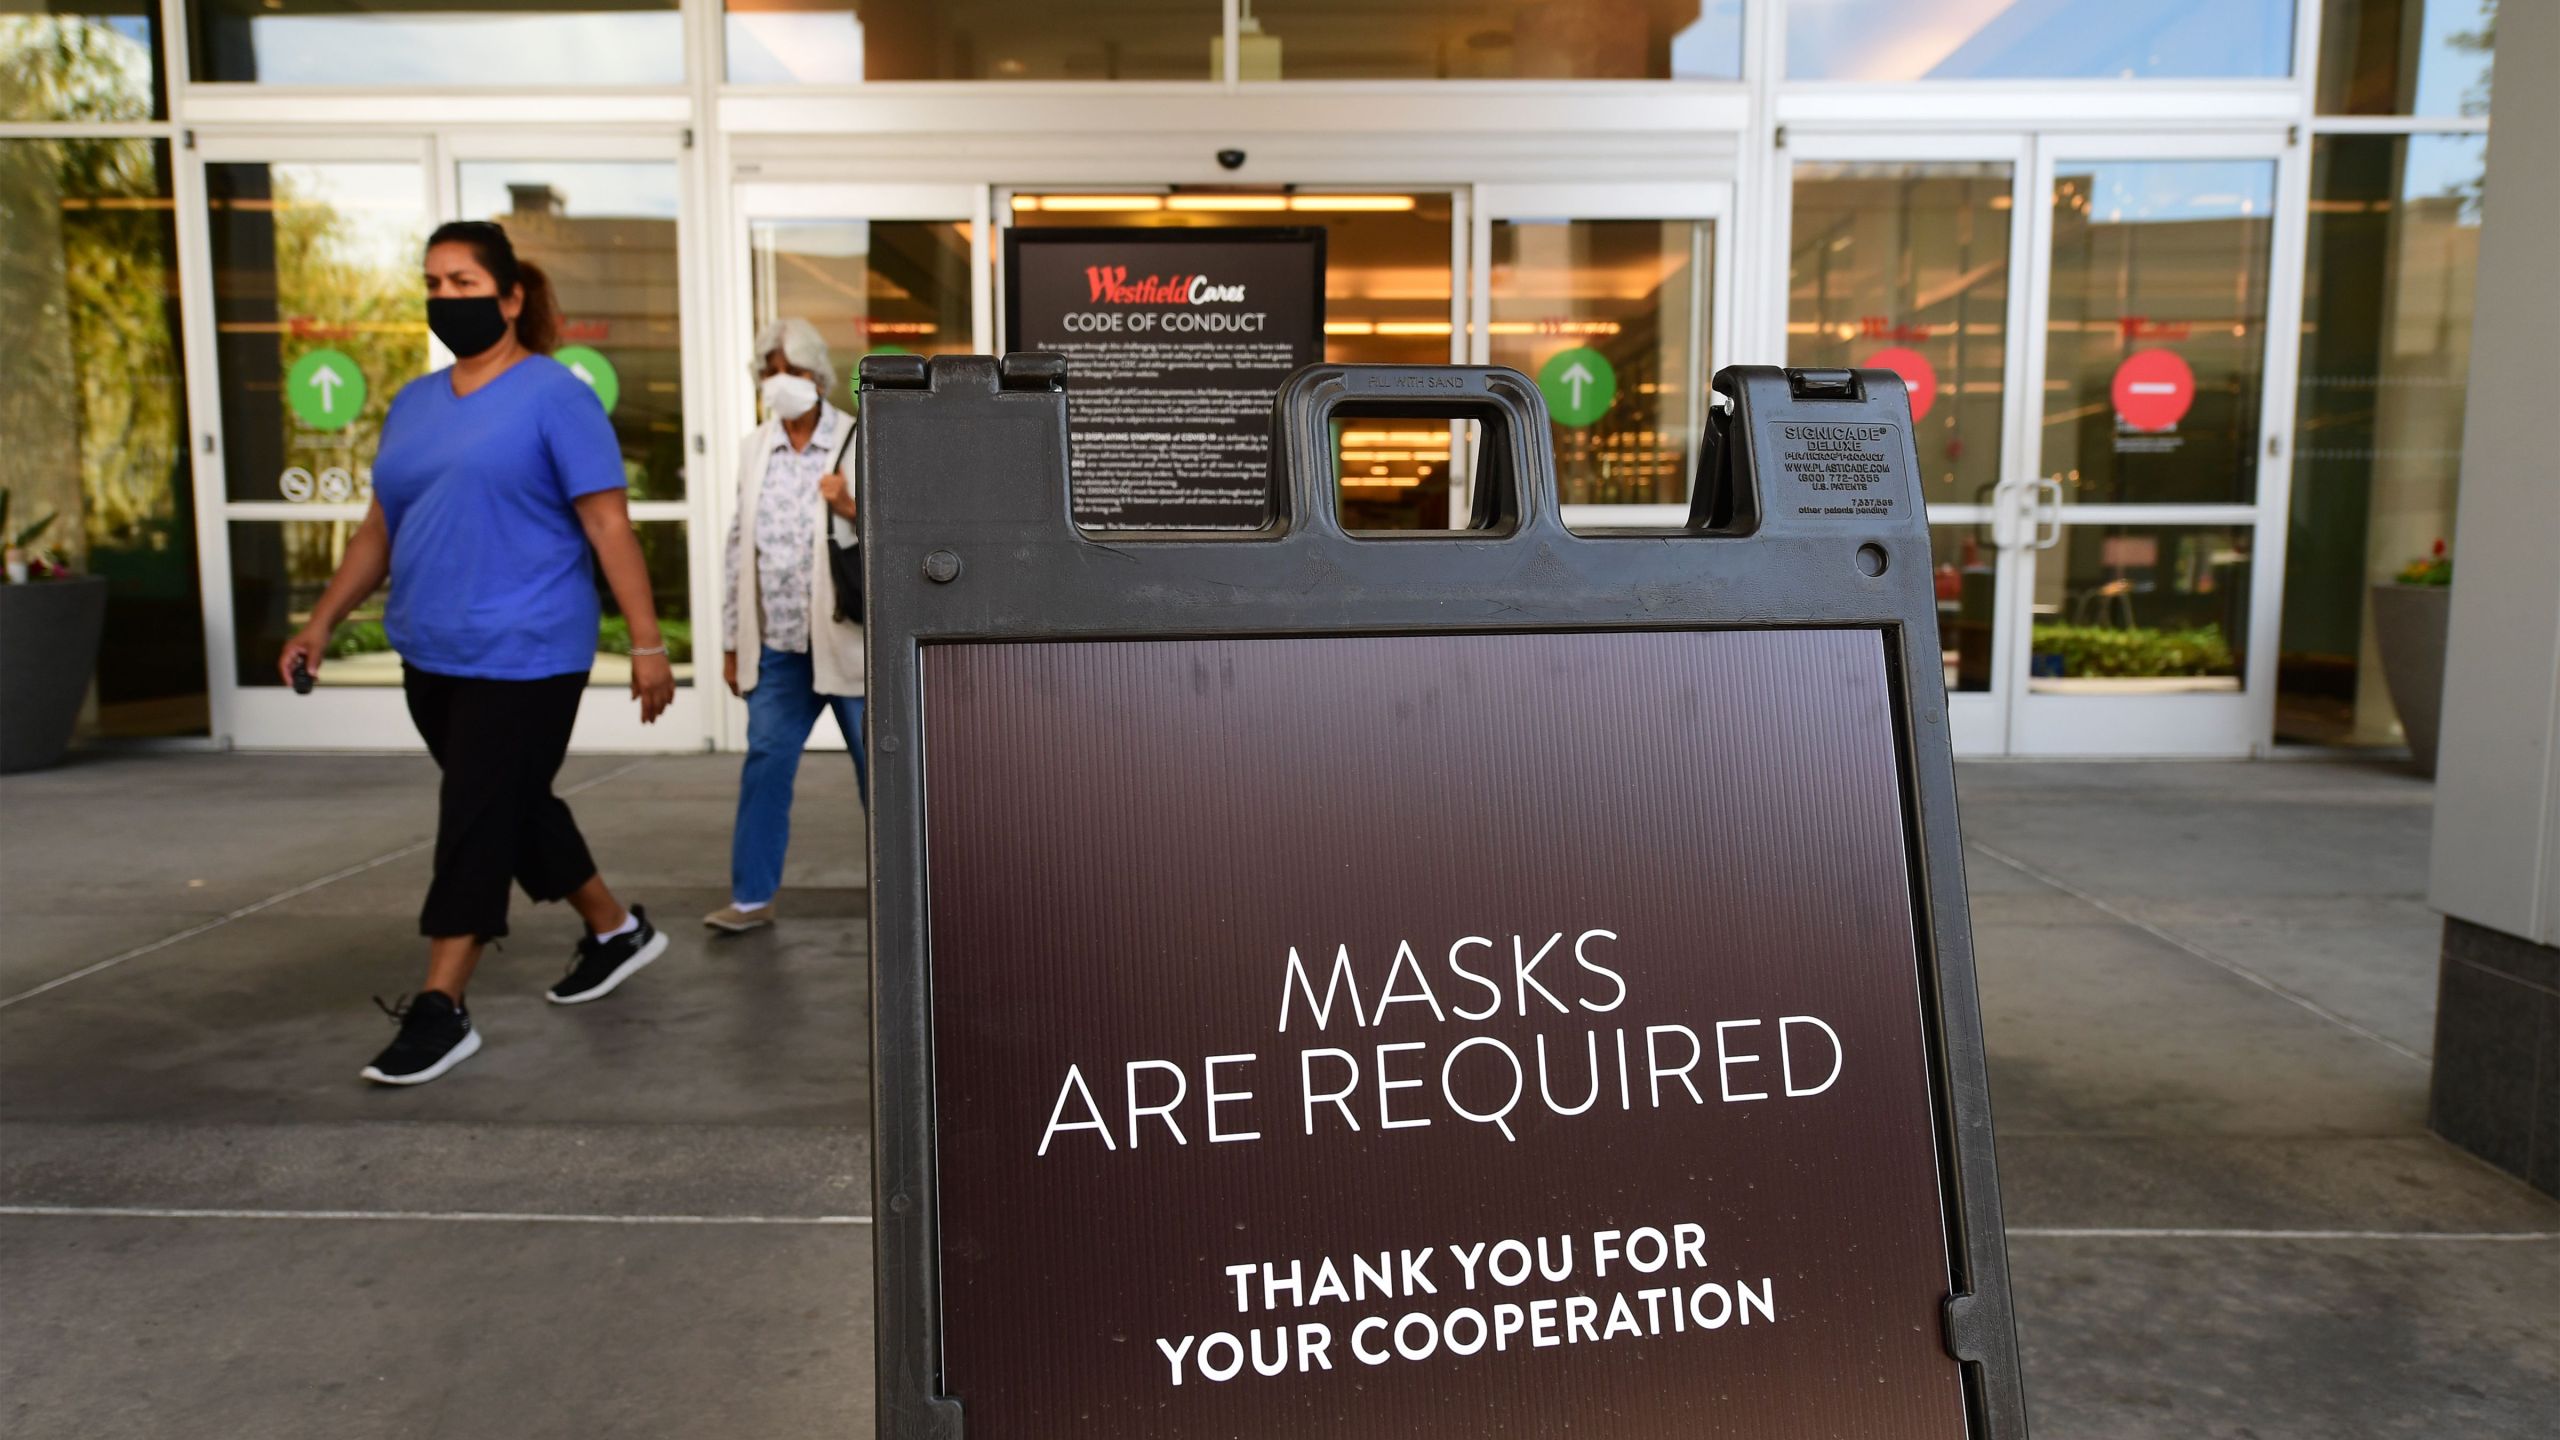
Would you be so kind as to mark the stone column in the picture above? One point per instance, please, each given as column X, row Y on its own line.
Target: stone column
column 2497, row 820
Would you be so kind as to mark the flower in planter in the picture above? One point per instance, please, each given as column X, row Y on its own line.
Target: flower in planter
column 2435, row 569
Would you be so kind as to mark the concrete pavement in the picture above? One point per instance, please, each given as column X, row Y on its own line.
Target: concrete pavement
column 2208, row 991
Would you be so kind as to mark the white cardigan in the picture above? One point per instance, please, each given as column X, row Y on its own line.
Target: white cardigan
column 835, row 649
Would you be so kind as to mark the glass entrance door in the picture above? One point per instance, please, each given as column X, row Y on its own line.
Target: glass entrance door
column 318, row 320
column 1904, row 254
column 1606, row 296
column 2148, row 623
column 2083, row 329
column 879, row 270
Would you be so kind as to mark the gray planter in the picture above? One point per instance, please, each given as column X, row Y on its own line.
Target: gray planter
column 49, row 633
column 2409, row 630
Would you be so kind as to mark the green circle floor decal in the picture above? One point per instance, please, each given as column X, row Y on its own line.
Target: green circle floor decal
column 589, row 364
column 1580, row 385
column 325, row 389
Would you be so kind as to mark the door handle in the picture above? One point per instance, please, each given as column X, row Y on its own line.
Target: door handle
column 2005, row 513
column 2047, row 513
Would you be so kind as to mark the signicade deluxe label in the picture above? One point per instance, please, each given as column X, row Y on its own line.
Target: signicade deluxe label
column 1841, row 468
column 1370, row 1036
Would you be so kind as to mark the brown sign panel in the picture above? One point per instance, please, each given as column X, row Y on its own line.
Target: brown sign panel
column 1431, row 1034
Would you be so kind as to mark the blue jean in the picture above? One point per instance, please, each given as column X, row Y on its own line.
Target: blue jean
column 780, row 711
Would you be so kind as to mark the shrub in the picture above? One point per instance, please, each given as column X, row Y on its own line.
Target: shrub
column 2101, row 650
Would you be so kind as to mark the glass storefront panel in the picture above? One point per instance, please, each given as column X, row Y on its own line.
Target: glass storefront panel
column 1965, row 569
column 1610, row 317
column 1491, row 40
column 1388, row 286
column 280, row 568
column 1904, row 266
column 2141, row 610
column 1897, row 40
column 842, row 42
column 464, row 43
column 2157, row 329
column 93, row 405
column 92, row 60
column 664, row 544
column 2406, row 57
column 605, row 234
column 319, row 316
column 872, row 287
column 2388, row 292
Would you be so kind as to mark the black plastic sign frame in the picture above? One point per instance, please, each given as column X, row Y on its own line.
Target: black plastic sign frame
column 1176, row 342
column 1775, row 661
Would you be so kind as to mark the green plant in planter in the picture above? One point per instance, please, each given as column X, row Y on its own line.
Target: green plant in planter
column 22, row 557
column 2435, row 569
column 2137, row 653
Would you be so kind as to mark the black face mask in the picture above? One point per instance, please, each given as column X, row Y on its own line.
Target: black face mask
column 467, row 324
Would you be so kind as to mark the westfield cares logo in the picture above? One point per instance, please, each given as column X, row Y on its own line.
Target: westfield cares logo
column 1111, row 285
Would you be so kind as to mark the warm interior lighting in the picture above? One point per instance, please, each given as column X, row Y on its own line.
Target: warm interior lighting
column 1349, row 327
column 1394, row 437
column 1413, row 327
column 1350, row 202
column 1063, row 203
column 1227, row 202
column 1553, row 327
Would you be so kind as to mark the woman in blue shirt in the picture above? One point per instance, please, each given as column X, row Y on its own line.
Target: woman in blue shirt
column 498, row 491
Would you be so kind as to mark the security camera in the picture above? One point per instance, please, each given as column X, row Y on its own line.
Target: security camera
column 1231, row 159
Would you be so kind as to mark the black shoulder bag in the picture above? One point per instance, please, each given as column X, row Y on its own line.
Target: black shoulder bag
column 844, row 560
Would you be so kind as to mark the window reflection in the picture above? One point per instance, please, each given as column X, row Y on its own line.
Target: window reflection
column 605, row 232
column 2141, row 610
column 80, row 60
column 1609, row 316
column 280, row 568
column 2388, row 290
column 93, row 407
column 1964, row 573
column 2156, row 334
column 1889, row 40
column 315, row 266
column 2406, row 57
column 872, row 287
column 534, row 46
column 839, row 42
column 1491, row 40
column 1904, row 266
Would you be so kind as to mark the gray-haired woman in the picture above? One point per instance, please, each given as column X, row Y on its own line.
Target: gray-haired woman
column 784, row 649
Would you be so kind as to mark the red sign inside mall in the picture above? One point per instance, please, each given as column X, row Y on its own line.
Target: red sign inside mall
column 2153, row 389
column 1918, row 375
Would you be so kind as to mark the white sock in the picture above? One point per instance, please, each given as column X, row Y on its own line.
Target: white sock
column 630, row 922
column 743, row 908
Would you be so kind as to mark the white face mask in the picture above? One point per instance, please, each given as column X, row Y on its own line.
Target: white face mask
column 789, row 396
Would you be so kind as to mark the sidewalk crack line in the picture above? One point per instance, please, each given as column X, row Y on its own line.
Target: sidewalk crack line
column 2190, row 947
column 281, row 896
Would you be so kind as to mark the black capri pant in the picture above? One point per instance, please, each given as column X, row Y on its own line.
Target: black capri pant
column 500, row 744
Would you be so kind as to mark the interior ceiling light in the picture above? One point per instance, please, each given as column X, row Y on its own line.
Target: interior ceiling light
column 1350, row 202
column 1094, row 202
column 1413, row 327
column 1227, row 202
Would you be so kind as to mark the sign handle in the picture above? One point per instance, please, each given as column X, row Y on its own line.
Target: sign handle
column 1515, row 490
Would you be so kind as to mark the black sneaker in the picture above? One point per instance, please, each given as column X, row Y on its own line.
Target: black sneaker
column 436, row 1034
column 603, row 964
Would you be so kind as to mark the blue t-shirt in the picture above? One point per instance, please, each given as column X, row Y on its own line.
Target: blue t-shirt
column 491, row 576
